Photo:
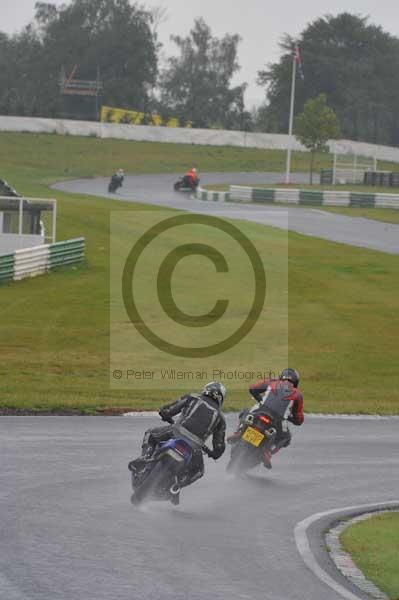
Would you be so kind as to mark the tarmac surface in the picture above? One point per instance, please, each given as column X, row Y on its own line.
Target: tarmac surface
column 69, row 532
column 158, row 190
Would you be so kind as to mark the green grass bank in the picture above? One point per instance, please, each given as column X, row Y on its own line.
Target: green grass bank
column 374, row 546
column 342, row 302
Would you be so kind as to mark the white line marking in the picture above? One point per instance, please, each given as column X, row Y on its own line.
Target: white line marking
column 322, row 212
column 151, row 413
column 354, row 417
column 303, row 545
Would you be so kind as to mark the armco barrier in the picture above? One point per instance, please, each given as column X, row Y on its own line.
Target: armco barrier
column 6, row 267
column 213, row 196
column 66, row 253
column 240, row 193
column 30, row 262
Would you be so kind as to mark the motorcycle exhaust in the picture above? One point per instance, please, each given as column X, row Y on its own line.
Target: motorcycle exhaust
column 175, row 489
column 271, row 431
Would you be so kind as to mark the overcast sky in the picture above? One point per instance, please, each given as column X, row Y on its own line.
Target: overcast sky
column 260, row 23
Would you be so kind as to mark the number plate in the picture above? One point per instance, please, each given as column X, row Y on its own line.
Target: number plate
column 253, row 436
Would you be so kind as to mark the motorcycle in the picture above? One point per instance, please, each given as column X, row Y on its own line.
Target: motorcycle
column 257, row 435
column 115, row 183
column 165, row 472
column 185, row 185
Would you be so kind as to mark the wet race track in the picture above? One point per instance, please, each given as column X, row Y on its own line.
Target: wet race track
column 68, row 530
column 158, row 190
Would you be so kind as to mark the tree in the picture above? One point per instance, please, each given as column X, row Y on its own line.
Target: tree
column 356, row 64
column 196, row 86
column 110, row 35
column 315, row 126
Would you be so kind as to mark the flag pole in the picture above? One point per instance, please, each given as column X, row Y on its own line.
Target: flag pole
column 291, row 122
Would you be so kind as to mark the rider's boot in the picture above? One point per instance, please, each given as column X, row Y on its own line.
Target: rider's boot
column 267, row 459
column 234, row 437
column 175, row 499
column 189, row 478
column 138, row 464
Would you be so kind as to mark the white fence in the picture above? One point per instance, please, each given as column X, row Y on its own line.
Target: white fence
column 212, row 137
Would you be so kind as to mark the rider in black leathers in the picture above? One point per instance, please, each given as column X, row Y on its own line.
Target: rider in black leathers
column 201, row 417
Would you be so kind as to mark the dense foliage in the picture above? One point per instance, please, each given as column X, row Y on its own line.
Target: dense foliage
column 111, row 37
column 354, row 63
column 197, row 84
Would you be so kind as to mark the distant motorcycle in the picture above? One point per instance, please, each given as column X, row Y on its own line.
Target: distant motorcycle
column 115, row 183
column 258, row 433
column 185, row 184
column 165, row 472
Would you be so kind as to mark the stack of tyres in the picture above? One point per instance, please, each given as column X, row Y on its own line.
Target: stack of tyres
column 394, row 180
column 381, row 178
column 369, row 178
column 385, row 179
column 326, row 176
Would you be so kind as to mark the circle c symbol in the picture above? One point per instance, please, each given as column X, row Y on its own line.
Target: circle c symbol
column 164, row 285
column 220, row 263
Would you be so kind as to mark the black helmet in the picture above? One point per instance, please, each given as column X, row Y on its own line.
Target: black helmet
column 290, row 375
column 216, row 391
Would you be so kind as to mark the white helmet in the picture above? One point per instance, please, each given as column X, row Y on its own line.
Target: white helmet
column 216, row 391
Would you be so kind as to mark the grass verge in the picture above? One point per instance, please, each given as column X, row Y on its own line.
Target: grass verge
column 342, row 303
column 374, row 546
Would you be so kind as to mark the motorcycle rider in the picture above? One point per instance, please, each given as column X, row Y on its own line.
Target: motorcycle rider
column 200, row 417
column 283, row 402
column 191, row 177
column 120, row 175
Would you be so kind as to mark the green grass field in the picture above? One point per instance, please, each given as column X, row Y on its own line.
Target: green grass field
column 342, row 302
column 374, row 545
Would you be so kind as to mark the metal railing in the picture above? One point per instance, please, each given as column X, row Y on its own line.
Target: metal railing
column 30, row 262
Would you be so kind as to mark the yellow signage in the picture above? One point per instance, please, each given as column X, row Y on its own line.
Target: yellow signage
column 133, row 117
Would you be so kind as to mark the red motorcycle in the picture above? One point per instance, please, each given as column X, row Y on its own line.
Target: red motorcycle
column 186, row 184
column 257, row 435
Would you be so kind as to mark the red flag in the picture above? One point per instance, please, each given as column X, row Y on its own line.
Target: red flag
column 298, row 60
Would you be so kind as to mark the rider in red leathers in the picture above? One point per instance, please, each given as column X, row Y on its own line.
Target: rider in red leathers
column 283, row 401
column 191, row 177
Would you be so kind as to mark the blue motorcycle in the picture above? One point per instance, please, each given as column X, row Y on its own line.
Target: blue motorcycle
column 165, row 472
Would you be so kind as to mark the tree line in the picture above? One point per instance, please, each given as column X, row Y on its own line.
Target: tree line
column 352, row 62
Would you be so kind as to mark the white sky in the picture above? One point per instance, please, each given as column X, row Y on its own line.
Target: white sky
column 260, row 23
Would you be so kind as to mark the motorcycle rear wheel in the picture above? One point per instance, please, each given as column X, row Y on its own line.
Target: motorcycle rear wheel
column 154, row 480
column 243, row 458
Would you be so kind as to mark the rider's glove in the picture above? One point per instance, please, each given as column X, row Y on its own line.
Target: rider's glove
column 164, row 413
column 216, row 453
